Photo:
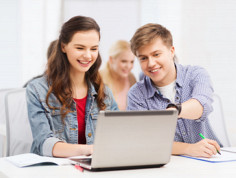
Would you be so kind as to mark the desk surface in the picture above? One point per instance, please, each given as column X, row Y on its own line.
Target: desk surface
column 177, row 167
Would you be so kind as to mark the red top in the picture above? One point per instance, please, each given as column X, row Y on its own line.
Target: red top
column 80, row 107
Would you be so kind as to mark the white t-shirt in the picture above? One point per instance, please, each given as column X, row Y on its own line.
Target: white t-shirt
column 168, row 91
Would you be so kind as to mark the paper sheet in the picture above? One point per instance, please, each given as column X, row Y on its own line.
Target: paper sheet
column 229, row 149
column 224, row 157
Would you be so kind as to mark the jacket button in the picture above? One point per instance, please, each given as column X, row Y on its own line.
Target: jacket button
column 89, row 134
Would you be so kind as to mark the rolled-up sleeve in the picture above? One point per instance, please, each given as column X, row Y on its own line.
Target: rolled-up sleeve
column 48, row 146
column 43, row 140
column 202, row 91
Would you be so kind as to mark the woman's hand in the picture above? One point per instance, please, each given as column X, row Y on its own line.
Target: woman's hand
column 62, row 149
column 88, row 150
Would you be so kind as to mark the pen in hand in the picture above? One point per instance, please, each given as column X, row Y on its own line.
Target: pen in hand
column 204, row 138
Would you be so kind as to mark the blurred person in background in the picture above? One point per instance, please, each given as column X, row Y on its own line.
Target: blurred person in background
column 117, row 72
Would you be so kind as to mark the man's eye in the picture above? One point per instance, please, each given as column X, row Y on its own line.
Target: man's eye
column 157, row 54
column 142, row 58
column 80, row 48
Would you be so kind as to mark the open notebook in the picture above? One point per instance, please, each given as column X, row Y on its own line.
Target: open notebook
column 31, row 159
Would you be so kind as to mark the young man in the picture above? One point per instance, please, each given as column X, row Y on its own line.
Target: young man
column 168, row 85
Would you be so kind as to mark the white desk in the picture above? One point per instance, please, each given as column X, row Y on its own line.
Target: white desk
column 177, row 167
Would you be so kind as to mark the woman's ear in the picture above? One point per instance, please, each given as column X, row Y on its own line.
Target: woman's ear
column 63, row 47
column 110, row 59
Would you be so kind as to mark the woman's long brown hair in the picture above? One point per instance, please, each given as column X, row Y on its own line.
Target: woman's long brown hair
column 58, row 67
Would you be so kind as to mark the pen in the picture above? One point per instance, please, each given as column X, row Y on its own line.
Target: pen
column 204, row 138
column 79, row 168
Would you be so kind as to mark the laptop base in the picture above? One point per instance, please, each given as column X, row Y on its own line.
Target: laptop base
column 125, row 167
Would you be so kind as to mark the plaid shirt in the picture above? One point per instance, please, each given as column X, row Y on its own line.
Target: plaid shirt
column 191, row 82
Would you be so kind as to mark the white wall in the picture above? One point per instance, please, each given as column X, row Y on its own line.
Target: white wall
column 27, row 28
column 39, row 24
column 9, row 44
column 208, row 39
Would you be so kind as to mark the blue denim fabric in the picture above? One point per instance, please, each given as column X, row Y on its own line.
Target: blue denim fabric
column 47, row 125
column 191, row 82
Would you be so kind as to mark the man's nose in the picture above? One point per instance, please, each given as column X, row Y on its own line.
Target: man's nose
column 151, row 62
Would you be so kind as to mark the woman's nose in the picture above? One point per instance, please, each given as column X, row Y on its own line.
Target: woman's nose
column 87, row 54
column 130, row 65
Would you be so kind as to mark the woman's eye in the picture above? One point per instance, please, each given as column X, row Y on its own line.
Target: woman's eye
column 80, row 48
column 157, row 54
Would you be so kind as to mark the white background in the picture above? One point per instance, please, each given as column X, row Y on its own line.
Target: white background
column 203, row 32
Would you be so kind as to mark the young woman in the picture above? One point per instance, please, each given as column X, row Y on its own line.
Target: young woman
column 63, row 105
column 117, row 73
column 170, row 85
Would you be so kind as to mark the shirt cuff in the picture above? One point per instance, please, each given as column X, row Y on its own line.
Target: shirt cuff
column 207, row 108
column 48, row 146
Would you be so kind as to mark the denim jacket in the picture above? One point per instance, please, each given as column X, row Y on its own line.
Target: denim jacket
column 46, row 124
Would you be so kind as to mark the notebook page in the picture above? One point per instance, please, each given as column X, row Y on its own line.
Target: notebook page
column 30, row 159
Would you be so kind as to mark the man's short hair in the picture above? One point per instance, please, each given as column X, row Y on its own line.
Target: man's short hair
column 149, row 32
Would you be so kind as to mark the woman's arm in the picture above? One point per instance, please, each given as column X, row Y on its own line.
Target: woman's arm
column 62, row 149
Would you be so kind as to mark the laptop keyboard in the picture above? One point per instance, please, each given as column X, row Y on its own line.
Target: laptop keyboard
column 86, row 161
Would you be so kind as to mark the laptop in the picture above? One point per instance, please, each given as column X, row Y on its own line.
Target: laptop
column 132, row 139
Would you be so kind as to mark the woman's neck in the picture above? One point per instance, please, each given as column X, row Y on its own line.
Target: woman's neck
column 78, row 85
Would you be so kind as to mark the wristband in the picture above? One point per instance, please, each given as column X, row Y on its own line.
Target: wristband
column 177, row 106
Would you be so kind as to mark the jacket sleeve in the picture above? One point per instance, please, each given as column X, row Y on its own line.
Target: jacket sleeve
column 43, row 140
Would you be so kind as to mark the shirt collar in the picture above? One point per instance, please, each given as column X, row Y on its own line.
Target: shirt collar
column 150, row 87
column 179, row 74
column 92, row 90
